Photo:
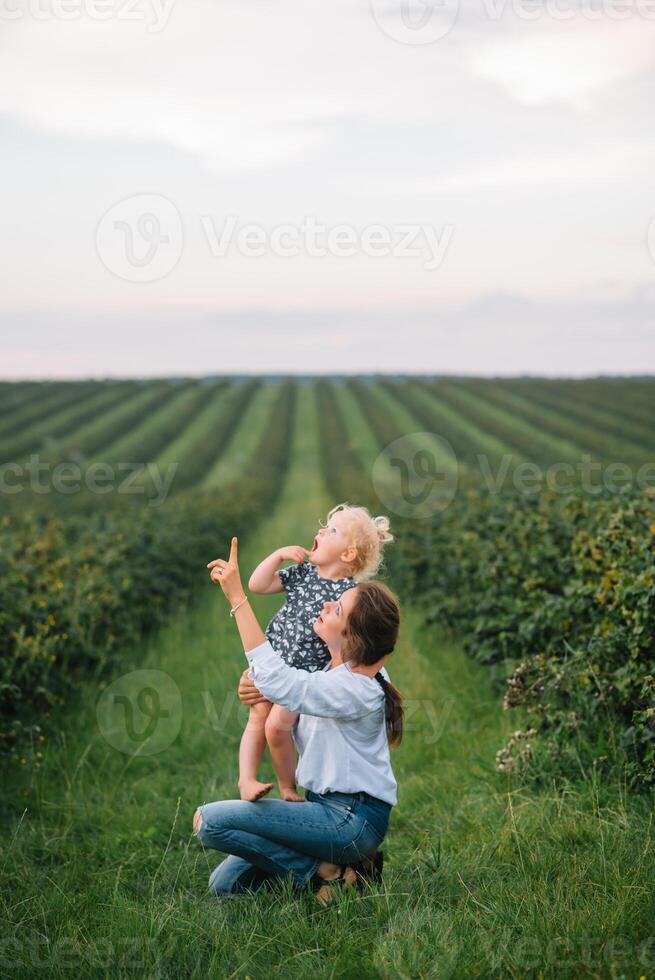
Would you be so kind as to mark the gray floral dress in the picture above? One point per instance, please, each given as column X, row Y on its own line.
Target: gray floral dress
column 290, row 632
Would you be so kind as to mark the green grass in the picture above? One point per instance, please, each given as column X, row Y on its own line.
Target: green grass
column 101, row 875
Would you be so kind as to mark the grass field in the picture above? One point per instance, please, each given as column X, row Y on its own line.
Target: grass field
column 486, row 877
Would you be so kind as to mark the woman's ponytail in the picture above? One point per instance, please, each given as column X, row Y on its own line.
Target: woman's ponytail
column 371, row 633
column 394, row 713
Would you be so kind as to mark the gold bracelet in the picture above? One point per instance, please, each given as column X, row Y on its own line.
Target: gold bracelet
column 238, row 606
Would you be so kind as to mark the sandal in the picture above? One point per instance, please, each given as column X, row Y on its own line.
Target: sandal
column 323, row 888
column 369, row 869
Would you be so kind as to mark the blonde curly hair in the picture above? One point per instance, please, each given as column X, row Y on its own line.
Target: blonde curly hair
column 368, row 535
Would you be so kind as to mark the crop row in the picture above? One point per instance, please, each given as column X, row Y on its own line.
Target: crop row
column 557, row 595
column 594, row 417
column 434, row 415
column 341, row 466
column 158, row 428
column 554, row 593
column 588, row 428
column 538, row 443
column 21, row 431
column 16, row 396
column 625, row 398
column 201, row 452
column 103, row 432
column 77, row 589
column 18, row 411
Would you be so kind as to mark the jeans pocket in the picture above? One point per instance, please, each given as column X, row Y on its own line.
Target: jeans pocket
column 342, row 811
column 367, row 840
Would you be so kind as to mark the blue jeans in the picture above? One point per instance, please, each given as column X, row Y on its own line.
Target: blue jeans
column 272, row 839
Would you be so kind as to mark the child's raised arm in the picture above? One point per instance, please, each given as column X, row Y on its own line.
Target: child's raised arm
column 265, row 579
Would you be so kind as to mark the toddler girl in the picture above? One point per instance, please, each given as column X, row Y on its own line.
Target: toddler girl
column 347, row 550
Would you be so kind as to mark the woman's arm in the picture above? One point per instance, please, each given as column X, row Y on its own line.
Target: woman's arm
column 327, row 694
column 335, row 693
column 227, row 575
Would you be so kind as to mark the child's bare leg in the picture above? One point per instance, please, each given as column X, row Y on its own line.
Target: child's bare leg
column 279, row 724
column 251, row 750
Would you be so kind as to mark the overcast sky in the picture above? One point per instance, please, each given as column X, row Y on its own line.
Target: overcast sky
column 200, row 186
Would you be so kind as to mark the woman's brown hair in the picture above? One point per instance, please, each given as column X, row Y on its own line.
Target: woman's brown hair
column 371, row 633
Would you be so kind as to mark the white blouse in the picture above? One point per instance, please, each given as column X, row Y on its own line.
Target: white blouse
column 341, row 734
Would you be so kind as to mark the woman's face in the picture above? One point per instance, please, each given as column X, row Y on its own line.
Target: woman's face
column 332, row 620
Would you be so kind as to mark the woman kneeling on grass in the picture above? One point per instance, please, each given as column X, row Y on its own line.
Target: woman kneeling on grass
column 349, row 715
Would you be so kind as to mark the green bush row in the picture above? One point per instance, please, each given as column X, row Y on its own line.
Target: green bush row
column 27, row 433
column 76, row 588
column 557, row 594
column 199, row 457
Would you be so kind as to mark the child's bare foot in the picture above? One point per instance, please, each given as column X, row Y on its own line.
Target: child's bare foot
column 289, row 794
column 252, row 789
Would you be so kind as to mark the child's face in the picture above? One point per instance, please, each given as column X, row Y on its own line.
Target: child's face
column 331, row 621
column 332, row 543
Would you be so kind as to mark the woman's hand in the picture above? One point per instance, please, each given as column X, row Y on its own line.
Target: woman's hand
column 227, row 575
column 248, row 693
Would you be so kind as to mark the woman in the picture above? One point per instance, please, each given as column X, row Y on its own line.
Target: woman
column 350, row 714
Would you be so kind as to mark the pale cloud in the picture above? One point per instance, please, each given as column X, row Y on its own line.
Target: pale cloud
column 571, row 62
column 531, row 139
column 239, row 86
column 610, row 161
column 498, row 334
